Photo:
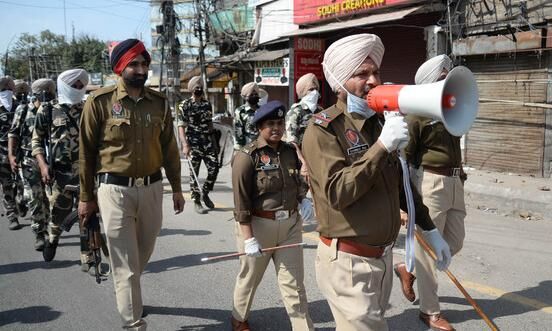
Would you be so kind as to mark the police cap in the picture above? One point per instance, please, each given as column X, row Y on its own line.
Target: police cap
column 270, row 111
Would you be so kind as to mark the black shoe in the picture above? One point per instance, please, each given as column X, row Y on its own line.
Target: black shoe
column 208, row 203
column 39, row 242
column 14, row 225
column 22, row 209
column 49, row 251
column 199, row 208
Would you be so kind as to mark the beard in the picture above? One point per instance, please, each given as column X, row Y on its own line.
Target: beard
column 136, row 81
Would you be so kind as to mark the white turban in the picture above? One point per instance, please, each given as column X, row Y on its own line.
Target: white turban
column 249, row 88
column 430, row 70
column 305, row 83
column 263, row 97
column 194, row 82
column 344, row 56
column 68, row 94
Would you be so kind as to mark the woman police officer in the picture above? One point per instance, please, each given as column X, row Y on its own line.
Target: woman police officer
column 267, row 192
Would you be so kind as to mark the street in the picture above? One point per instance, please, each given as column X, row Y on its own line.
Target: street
column 505, row 265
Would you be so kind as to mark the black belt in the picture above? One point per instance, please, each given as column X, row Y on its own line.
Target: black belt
column 109, row 178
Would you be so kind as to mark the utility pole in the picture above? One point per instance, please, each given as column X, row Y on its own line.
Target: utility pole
column 202, row 63
column 170, row 39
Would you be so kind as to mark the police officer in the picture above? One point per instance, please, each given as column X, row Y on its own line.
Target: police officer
column 300, row 113
column 356, row 183
column 267, row 193
column 58, row 125
column 8, row 105
column 244, row 129
column 126, row 138
column 436, row 155
column 20, row 134
column 195, row 126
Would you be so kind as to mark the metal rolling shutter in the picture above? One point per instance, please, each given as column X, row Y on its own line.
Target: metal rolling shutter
column 509, row 137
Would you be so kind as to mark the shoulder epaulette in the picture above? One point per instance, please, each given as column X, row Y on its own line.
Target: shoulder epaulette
column 250, row 148
column 325, row 117
column 102, row 91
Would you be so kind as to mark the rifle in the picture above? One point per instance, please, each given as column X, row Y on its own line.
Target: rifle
column 93, row 242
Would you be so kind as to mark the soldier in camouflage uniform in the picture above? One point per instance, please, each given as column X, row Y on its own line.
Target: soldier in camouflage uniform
column 195, row 126
column 62, row 133
column 7, row 110
column 22, row 191
column 298, row 116
column 20, row 134
column 244, row 129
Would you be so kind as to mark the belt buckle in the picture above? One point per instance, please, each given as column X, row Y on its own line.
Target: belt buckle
column 281, row 215
column 139, row 182
column 455, row 172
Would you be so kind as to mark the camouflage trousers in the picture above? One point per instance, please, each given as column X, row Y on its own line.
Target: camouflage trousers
column 39, row 207
column 208, row 157
column 9, row 189
column 61, row 201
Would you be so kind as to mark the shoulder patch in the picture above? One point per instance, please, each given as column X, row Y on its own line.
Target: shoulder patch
column 102, row 91
column 250, row 148
column 325, row 117
column 156, row 93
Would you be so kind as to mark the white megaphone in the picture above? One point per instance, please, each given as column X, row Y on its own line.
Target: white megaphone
column 453, row 101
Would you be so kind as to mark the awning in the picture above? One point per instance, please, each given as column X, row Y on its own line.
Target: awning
column 266, row 55
column 372, row 19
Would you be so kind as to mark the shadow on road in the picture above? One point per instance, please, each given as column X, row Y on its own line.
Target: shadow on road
column 28, row 315
column 269, row 319
column 180, row 262
column 26, row 266
column 171, row 232
column 508, row 304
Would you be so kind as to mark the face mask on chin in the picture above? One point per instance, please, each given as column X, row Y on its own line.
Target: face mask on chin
column 311, row 100
column 355, row 104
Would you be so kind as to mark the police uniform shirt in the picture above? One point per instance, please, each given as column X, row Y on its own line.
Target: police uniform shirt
column 126, row 137
column 266, row 179
column 356, row 183
column 431, row 144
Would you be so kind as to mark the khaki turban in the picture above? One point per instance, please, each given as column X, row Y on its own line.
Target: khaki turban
column 249, row 88
column 305, row 83
column 44, row 84
column 6, row 82
column 430, row 70
column 194, row 82
column 21, row 86
column 344, row 56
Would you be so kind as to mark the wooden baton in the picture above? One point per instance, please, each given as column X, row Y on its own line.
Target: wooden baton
column 205, row 259
column 474, row 304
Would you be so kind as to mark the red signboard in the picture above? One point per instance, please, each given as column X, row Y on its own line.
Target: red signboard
column 308, row 55
column 311, row 11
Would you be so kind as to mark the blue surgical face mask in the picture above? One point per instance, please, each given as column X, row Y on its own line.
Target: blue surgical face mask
column 355, row 104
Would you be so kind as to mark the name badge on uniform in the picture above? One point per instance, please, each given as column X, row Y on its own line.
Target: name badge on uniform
column 354, row 139
column 117, row 110
column 265, row 159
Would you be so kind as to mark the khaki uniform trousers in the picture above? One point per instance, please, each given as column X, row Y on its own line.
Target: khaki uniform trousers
column 132, row 218
column 288, row 263
column 357, row 288
column 444, row 197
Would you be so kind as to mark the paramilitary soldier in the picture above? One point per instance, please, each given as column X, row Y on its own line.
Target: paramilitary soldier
column 267, row 193
column 244, row 128
column 59, row 126
column 20, row 135
column 195, row 126
column 8, row 105
column 355, row 178
column 436, row 154
column 301, row 112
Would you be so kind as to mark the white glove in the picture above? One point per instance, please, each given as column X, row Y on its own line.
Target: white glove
column 252, row 247
column 440, row 247
column 394, row 134
column 305, row 209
